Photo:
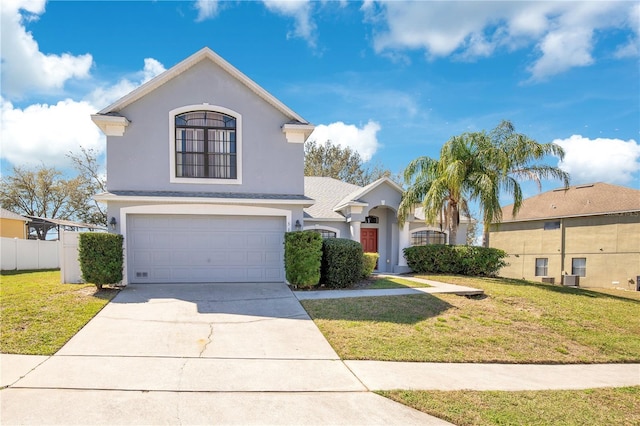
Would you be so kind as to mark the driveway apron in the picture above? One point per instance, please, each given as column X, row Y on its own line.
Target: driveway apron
column 240, row 353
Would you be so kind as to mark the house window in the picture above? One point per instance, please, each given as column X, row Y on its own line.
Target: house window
column 371, row 219
column 579, row 266
column 552, row 225
column 205, row 145
column 423, row 238
column 542, row 267
column 325, row 233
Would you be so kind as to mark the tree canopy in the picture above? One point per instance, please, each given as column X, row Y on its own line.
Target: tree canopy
column 477, row 166
column 45, row 192
column 339, row 163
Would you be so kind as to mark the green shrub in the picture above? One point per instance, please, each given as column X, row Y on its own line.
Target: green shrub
column 341, row 262
column 461, row 260
column 302, row 257
column 369, row 261
column 101, row 258
column 481, row 261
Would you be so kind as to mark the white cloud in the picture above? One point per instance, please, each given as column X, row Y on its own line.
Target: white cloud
column 562, row 32
column 206, row 9
column 300, row 11
column 362, row 140
column 104, row 96
column 600, row 160
column 42, row 133
column 24, row 66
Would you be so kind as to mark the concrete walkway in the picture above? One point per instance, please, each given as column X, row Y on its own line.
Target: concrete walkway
column 239, row 354
column 435, row 287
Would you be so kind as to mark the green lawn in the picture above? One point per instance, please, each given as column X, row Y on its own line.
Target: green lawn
column 591, row 407
column 517, row 322
column 39, row 315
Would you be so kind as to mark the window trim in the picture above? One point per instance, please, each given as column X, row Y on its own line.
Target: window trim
column 545, row 267
column 415, row 231
column 582, row 269
column 172, row 142
column 551, row 225
column 323, row 228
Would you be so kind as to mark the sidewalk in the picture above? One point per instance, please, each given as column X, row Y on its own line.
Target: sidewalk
column 436, row 287
column 252, row 375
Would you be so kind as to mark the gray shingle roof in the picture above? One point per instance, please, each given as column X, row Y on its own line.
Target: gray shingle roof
column 579, row 200
column 229, row 195
column 6, row 214
column 327, row 192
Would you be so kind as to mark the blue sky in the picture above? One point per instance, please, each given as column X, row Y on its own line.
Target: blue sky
column 393, row 80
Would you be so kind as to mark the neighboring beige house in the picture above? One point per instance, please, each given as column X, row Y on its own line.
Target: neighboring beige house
column 13, row 225
column 591, row 232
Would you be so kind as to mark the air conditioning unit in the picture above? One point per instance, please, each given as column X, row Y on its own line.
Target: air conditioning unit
column 571, row 280
column 549, row 280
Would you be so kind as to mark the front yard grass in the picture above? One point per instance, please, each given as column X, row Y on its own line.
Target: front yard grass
column 39, row 314
column 607, row 406
column 517, row 322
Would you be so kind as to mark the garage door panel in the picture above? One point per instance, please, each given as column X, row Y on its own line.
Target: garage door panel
column 190, row 248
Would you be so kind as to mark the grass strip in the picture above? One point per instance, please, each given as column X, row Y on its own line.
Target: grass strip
column 591, row 407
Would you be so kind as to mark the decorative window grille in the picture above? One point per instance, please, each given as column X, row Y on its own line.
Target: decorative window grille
column 423, row 238
column 206, row 145
column 325, row 233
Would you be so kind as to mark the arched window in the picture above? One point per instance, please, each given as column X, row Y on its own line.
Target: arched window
column 325, row 233
column 205, row 145
column 423, row 238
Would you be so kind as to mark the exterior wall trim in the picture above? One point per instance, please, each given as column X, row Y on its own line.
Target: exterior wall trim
column 172, row 142
column 200, row 200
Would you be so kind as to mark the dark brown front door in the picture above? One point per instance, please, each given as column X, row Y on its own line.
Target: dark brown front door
column 369, row 240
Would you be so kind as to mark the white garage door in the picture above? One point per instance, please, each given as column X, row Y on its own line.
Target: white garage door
column 194, row 248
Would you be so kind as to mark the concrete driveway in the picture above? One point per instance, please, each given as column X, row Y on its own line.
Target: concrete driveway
column 199, row 354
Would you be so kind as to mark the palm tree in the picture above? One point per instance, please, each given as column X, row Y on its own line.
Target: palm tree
column 441, row 186
column 477, row 166
column 508, row 158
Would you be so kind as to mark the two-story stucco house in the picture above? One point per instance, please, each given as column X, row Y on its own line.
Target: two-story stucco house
column 206, row 173
column 587, row 235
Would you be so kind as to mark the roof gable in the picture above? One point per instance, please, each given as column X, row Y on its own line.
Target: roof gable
column 580, row 200
column 202, row 55
column 327, row 192
column 7, row 214
column 356, row 195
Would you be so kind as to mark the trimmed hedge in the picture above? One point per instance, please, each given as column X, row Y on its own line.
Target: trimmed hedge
column 341, row 262
column 302, row 258
column 369, row 261
column 101, row 258
column 460, row 260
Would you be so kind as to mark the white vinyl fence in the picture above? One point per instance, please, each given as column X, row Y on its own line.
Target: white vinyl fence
column 69, row 263
column 19, row 254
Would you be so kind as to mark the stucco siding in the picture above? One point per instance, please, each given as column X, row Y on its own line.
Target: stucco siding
column 140, row 160
column 10, row 228
column 610, row 245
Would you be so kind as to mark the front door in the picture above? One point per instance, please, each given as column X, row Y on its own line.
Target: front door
column 369, row 240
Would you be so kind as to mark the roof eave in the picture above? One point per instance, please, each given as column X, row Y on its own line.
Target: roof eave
column 107, row 196
column 532, row 219
column 204, row 53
